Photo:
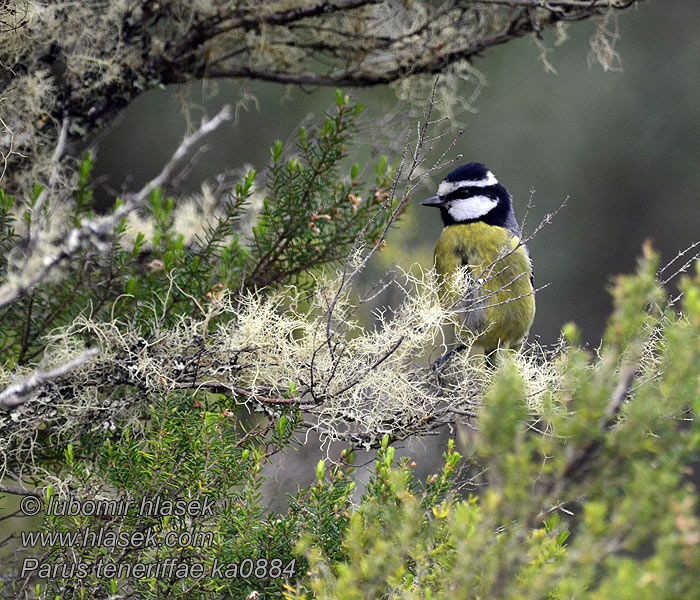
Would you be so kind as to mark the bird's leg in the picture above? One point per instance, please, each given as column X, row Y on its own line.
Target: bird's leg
column 491, row 360
column 439, row 363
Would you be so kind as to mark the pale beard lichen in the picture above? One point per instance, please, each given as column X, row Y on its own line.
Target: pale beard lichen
column 354, row 383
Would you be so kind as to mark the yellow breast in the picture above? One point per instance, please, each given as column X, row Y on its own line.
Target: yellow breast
column 501, row 304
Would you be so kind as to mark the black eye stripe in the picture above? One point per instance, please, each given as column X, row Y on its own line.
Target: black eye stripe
column 468, row 192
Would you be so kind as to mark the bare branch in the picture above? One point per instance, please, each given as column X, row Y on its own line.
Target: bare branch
column 98, row 230
column 16, row 491
column 17, row 393
column 682, row 254
column 327, row 43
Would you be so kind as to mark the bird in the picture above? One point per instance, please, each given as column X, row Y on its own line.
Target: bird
column 480, row 232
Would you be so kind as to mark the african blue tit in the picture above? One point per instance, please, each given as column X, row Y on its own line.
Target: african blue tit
column 481, row 233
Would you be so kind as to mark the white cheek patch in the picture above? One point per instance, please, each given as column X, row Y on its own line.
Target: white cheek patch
column 447, row 187
column 471, row 208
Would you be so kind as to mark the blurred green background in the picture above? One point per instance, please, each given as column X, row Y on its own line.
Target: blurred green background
column 622, row 145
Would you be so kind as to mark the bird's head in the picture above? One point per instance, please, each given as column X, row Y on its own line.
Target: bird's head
column 472, row 193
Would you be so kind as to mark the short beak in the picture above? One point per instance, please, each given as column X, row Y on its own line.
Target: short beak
column 434, row 201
